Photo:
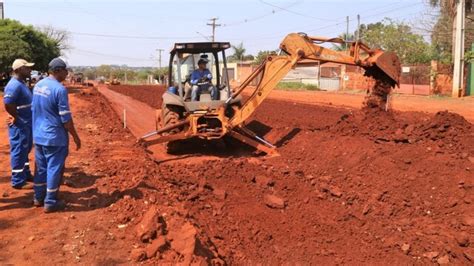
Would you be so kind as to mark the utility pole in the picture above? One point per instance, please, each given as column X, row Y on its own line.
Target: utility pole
column 159, row 57
column 159, row 63
column 458, row 73
column 347, row 33
column 358, row 28
column 213, row 25
column 2, row 10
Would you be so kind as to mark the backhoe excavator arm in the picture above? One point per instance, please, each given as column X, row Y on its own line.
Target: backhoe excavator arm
column 384, row 67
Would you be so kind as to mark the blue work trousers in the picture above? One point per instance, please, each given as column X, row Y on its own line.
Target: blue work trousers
column 49, row 165
column 21, row 142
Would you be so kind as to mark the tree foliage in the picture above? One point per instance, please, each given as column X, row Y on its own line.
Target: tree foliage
column 60, row 37
column 262, row 55
column 20, row 41
column 239, row 54
column 399, row 38
column 347, row 37
column 442, row 32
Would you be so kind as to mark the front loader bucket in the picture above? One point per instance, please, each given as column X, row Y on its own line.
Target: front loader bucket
column 389, row 64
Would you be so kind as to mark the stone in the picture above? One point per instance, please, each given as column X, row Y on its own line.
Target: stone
column 409, row 129
column 366, row 209
column 69, row 183
column 406, row 248
column 219, row 194
column 138, row 254
column 471, row 159
column 184, row 241
column 274, row 202
column 157, row 245
column 443, row 260
column 407, row 161
column 69, row 248
column 263, row 181
column 462, row 239
column 335, row 191
column 431, row 255
column 5, row 194
column 147, row 228
column 325, row 178
column 469, row 255
column 468, row 221
column 31, row 238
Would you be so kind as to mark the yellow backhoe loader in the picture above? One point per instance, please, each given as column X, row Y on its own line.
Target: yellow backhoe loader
column 180, row 118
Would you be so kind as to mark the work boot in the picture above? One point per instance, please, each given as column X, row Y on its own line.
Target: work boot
column 38, row 203
column 24, row 186
column 59, row 206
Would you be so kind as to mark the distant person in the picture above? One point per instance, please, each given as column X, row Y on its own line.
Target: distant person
column 201, row 79
column 52, row 121
column 17, row 100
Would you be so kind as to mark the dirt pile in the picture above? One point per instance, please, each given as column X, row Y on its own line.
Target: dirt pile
column 444, row 128
column 149, row 94
column 146, row 212
column 347, row 188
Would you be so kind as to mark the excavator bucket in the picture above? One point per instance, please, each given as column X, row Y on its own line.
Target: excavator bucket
column 388, row 63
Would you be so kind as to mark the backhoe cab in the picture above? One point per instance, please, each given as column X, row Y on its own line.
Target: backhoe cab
column 205, row 115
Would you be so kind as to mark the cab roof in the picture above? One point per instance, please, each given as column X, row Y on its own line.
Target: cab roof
column 200, row 47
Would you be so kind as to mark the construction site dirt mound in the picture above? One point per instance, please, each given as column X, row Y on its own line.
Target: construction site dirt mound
column 349, row 187
column 149, row 94
column 146, row 211
column 444, row 128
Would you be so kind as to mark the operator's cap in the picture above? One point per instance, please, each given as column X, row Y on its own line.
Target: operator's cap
column 57, row 64
column 203, row 61
column 19, row 63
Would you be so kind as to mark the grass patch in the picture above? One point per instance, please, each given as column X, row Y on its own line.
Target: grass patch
column 296, row 86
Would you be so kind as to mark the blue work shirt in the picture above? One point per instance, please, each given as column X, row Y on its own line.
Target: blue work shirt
column 198, row 74
column 50, row 111
column 16, row 92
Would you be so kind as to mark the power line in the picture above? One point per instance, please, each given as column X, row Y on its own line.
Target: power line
column 252, row 19
column 294, row 12
column 112, row 56
column 129, row 36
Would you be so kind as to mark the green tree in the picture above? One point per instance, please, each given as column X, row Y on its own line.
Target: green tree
column 442, row 32
column 104, row 71
column 342, row 47
column 239, row 53
column 20, row 41
column 399, row 38
column 262, row 55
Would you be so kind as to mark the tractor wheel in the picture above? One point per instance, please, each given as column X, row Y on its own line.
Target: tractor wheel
column 171, row 115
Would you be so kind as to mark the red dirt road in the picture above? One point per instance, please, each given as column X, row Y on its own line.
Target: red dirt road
column 349, row 187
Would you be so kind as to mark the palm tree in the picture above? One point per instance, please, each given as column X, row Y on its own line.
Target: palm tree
column 239, row 52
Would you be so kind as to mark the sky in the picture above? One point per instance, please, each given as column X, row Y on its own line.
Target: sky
column 130, row 32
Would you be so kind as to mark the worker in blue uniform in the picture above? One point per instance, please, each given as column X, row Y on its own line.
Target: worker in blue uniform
column 17, row 100
column 52, row 121
column 201, row 79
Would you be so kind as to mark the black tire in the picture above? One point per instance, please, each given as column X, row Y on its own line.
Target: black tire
column 171, row 115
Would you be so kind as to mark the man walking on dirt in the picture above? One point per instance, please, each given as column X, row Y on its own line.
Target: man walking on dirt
column 52, row 121
column 17, row 100
column 201, row 80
